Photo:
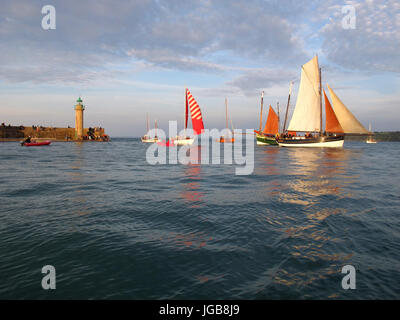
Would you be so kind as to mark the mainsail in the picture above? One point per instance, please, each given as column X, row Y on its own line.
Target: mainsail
column 346, row 119
column 271, row 126
column 197, row 120
column 332, row 124
column 307, row 113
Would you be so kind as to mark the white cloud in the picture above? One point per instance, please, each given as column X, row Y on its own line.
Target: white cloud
column 374, row 44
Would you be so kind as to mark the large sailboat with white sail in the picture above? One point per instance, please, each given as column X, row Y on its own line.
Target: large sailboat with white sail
column 197, row 120
column 305, row 128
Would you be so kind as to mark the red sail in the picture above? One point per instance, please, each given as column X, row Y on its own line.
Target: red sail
column 272, row 124
column 187, row 109
column 197, row 120
column 332, row 124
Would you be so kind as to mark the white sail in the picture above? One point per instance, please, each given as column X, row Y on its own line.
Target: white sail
column 346, row 119
column 307, row 113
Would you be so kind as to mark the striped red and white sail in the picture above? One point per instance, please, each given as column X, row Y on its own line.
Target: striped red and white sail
column 197, row 119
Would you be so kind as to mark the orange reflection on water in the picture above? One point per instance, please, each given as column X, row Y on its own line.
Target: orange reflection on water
column 312, row 175
column 206, row 278
column 321, row 172
column 272, row 167
column 196, row 240
column 191, row 193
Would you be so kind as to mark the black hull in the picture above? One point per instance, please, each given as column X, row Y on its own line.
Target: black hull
column 307, row 141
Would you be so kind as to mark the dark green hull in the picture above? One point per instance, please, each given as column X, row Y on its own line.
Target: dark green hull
column 265, row 140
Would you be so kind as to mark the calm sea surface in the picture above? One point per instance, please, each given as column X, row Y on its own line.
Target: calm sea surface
column 114, row 226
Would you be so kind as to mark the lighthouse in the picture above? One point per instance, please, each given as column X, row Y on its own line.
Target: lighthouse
column 79, row 107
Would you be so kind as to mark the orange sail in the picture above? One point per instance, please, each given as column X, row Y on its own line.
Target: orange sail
column 332, row 124
column 272, row 124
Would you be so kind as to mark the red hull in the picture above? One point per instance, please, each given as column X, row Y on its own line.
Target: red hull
column 168, row 143
column 34, row 144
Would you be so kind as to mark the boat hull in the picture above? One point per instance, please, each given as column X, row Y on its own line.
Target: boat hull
column 266, row 140
column 319, row 142
column 151, row 140
column 183, row 142
column 226, row 140
column 36, row 144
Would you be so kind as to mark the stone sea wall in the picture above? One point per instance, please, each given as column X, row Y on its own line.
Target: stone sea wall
column 51, row 133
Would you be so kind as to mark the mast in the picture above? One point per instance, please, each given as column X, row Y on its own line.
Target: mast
column 287, row 107
column 226, row 112
column 279, row 119
column 320, row 103
column 185, row 113
column 147, row 122
column 262, row 102
column 156, row 127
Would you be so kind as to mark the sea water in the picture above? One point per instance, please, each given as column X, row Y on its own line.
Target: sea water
column 114, row 226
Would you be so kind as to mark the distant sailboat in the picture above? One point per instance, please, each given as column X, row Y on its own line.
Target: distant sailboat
column 197, row 120
column 370, row 139
column 224, row 139
column 146, row 138
column 307, row 115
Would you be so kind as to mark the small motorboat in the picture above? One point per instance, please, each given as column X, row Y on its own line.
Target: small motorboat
column 35, row 144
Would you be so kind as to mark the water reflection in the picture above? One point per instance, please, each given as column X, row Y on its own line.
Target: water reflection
column 319, row 172
column 316, row 181
column 192, row 193
column 268, row 164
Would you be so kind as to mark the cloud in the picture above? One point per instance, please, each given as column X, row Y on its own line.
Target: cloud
column 373, row 45
column 94, row 35
column 253, row 81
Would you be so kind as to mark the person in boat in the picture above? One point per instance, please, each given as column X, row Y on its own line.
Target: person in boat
column 28, row 140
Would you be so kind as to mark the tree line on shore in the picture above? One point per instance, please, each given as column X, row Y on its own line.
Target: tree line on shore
column 379, row 136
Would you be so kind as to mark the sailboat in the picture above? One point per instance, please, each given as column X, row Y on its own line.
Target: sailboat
column 224, row 139
column 307, row 115
column 268, row 135
column 197, row 120
column 146, row 138
column 370, row 139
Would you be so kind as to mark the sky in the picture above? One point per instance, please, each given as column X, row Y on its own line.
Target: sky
column 131, row 58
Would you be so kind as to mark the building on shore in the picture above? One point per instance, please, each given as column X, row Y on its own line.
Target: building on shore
column 79, row 133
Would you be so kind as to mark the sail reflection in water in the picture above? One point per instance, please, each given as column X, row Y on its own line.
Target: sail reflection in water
column 270, row 165
column 191, row 188
column 311, row 191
